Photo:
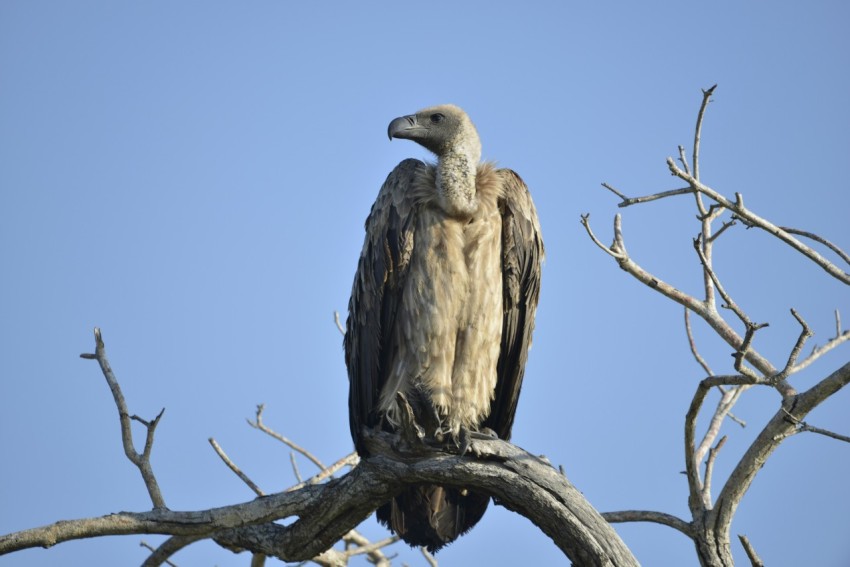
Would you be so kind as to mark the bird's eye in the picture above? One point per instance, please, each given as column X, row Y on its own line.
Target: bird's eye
column 437, row 118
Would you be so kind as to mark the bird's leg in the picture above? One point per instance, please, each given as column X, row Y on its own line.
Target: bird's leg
column 409, row 430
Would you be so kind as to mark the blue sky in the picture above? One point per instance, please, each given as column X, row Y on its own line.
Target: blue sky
column 193, row 178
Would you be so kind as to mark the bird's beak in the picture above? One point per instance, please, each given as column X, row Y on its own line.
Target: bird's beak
column 405, row 127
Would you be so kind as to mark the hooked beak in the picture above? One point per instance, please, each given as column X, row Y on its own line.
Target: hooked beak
column 406, row 128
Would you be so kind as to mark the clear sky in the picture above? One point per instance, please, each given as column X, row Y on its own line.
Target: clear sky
column 193, row 178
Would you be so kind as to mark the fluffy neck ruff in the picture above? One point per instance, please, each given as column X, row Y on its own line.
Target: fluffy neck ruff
column 456, row 173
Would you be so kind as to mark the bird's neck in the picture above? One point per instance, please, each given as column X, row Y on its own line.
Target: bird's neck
column 456, row 174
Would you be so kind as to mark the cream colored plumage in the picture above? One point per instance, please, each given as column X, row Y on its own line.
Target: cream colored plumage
column 442, row 308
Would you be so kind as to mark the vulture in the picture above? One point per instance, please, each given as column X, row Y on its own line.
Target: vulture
column 441, row 312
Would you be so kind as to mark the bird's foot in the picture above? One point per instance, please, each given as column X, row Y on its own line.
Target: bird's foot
column 466, row 438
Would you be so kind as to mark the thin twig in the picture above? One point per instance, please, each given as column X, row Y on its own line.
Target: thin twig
column 141, row 460
column 149, row 547
column 722, row 229
column 728, row 399
column 817, row 352
column 349, row 460
column 736, row 419
column 232, row 466
column 339, row 323
column 730, row 304
column 755, row 560
column 650, row 516
column 585, row 222
column 693, row 345
column 709, row 470
column 844, row 256
column 432, row 561
column 812, row 429
column 706, row 98
column 295, row 470
column 615, row 191
column 803, row 426
column 741, row 354
column 683, row 160
column 258, row 424
column 629, row 201
column 168, row 548
column 839, row 338
column 364, row 547
column 805, row 333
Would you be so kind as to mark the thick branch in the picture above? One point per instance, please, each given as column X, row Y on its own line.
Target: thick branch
column 696, row 501
column 517, row 479
column 777, row 429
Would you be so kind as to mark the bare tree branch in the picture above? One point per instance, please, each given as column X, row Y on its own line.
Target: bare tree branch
column 338, row 323
column 751, row 219
column 650, row 516
column 755, row 560
column 795, row 351
column 777, row 429
column 682, row 159
column 330, row 556
column 519, row 480
column 236, row 470
column 141, row 460
column 168, row 548
column 696, row 501
column 711, row 521
column 705, row 311
column 428, row 557
column 728, row 398
column 258, row 424
column 364, row 546
column 706, row 98
column 693, row 345
column 844, row 256
column 585, row 222
column 839, row 338
column 803, row 426
column 629, row 201
column 709, row 468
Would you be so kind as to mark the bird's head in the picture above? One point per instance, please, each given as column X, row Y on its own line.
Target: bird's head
column 443, row 129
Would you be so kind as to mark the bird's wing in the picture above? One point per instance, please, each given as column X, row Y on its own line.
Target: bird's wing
column 376, row 295
column 522, row 257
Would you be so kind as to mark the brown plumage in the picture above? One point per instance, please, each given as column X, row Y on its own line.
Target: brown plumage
column 442, row 309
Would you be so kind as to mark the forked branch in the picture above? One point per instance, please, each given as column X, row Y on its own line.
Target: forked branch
column 141, row 460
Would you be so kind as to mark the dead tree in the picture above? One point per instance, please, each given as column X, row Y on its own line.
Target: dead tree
column 711, row 517
column 329, row 508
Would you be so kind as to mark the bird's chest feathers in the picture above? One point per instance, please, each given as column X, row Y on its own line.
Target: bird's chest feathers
column 452, row 314
column 448, row 328
column 462, row 260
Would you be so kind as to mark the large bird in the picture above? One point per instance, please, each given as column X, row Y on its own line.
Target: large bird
column 442, row 310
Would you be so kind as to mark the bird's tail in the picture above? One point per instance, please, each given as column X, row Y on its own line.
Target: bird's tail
column 432, row 516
